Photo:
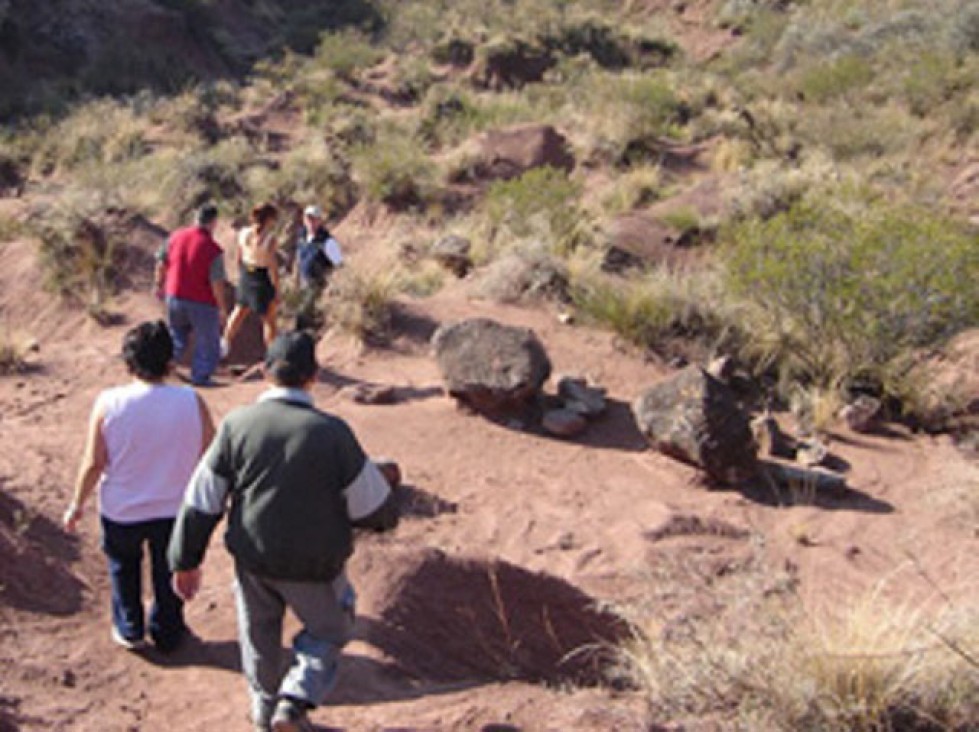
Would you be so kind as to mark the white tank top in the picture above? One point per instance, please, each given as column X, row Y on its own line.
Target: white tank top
column 153, row 438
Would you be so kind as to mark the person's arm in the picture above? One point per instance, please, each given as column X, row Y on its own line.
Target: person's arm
column 371, row 504
column 274, row 269
column 218, row 277
column 207, row 424
column 94, row 461
column 160, row 270
column 203, row 505
column 331, row 248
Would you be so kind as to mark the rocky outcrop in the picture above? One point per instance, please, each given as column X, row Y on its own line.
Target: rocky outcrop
column 511, row 65
column 511, row 152
column 695, row 418
column 490, row 367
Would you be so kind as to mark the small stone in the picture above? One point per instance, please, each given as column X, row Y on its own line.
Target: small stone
column 861, row 414
column 564, row 423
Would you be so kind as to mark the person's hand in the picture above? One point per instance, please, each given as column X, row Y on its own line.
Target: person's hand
column 73, row 515
column 187, row 583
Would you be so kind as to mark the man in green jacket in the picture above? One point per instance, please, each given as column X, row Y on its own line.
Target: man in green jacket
column 295, row 483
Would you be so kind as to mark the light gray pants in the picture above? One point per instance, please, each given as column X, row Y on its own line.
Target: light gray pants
column 326, row 612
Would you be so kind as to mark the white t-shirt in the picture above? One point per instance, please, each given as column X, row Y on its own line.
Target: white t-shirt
column 153, row 438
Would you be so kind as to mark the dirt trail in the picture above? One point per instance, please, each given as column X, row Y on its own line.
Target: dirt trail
column 579, row 518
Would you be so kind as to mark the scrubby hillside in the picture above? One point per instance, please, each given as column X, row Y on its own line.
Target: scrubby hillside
column 788, row 189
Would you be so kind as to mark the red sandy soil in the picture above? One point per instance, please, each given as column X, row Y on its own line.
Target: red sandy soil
column 509, row 539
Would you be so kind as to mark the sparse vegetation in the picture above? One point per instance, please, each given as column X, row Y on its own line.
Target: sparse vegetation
column 744, row 648
column 838, row 293
column 842, row 258
column 361, row 304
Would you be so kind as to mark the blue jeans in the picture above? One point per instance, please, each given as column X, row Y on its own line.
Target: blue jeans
column 185, row 316
column 123, row 545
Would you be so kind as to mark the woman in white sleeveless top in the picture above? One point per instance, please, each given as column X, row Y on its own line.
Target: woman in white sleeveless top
column 144, row 441
column 258, row 275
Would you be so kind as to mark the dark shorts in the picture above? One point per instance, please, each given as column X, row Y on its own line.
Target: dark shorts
column 255, row 289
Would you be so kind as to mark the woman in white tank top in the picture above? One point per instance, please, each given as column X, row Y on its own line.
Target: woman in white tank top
column 144, row 441
column 258, row 275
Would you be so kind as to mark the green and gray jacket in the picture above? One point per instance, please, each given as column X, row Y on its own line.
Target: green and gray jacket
column 295, row 482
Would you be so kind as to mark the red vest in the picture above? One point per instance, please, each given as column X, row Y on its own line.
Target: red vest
column 190, row 254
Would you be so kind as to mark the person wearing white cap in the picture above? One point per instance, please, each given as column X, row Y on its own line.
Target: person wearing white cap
column 317, row 255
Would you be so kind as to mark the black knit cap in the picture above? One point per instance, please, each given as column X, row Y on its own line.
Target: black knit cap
column 291, row 359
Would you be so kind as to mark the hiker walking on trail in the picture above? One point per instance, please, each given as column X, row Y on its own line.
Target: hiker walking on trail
column 317, row 255
column 190, row 274
column 258, row 275
column 295, row 482
column 144, row 440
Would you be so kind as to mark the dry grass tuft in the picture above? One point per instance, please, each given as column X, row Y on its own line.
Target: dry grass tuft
column 742, row 646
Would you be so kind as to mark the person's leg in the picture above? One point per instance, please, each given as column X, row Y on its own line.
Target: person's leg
column 234, row 323
column 207, row 346
column 260, row 612
column 167, row 626
column 122, row 544
column 269, row 327
column 326, row 611
column 179, row 325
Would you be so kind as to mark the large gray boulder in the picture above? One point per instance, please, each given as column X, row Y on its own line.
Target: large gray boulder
column 490, row 367
column 695, row 418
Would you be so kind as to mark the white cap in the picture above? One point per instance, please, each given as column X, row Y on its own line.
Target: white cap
column 314, row 212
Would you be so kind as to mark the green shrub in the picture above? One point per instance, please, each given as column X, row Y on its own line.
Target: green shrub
column 345, row 54
column 80, row 251
column 394, row 170
column 636, row 109
column 655, row 309
column 215, row 173
column 835, row 78
column 542, row 203
column 311, row 171
column 839, row 291
column 94, row 134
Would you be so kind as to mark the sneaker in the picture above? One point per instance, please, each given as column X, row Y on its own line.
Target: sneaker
column 291, row 716
column 130, row 644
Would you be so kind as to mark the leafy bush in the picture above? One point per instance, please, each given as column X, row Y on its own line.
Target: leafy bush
column 95, row 134
column 655, row 309
column 835, row 78
column 394, row 170
column 542, row 203
column 345, row 54
column 311, row 171
column 839, row 292
column 79, row 252
column 636, row 110
column 215, row 173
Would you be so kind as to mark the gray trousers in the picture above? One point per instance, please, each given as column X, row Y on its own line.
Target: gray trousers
column 326, row 612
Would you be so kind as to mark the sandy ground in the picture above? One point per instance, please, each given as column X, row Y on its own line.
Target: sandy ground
column 510, row 539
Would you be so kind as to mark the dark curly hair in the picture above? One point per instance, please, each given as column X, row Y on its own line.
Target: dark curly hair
column 147, row 350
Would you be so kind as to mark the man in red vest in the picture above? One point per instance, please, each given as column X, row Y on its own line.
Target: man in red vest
column 190, row 274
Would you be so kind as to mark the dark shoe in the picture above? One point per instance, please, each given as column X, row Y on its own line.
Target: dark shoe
column 169, row 642
column 291, row 716
column 130, row 644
